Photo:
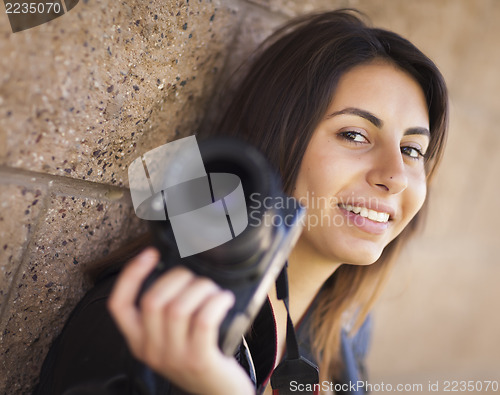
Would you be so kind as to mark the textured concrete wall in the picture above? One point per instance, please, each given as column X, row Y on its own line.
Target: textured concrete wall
column 80, row 98
column 84, row 95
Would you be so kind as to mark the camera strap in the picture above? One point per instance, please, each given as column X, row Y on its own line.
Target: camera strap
column 295, row 374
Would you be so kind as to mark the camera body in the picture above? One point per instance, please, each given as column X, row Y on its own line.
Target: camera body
column 263, row 229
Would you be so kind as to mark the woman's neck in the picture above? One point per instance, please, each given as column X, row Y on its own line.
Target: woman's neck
column 307, row 272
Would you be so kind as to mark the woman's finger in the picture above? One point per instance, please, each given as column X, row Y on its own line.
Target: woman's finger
column 121, row 302
column 154, row 302
column 180, row 312
column 207, row 320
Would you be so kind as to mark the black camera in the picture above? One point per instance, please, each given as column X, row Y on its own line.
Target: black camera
column 262, row 223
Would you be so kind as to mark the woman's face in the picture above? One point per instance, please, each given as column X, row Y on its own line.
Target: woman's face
column 362, row 176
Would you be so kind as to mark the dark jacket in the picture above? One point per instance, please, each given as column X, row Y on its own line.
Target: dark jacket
column 91, row 356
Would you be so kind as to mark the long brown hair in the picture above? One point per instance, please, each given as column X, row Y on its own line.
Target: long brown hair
column 280, row 102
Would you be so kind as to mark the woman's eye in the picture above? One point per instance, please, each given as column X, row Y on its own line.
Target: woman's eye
column 354, row 137
column 412, row 152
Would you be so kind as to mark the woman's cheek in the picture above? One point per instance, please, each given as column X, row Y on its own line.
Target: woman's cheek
column 417, row 196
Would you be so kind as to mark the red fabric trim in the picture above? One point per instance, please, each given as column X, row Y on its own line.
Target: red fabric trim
column 276, row 392
column 266, row 381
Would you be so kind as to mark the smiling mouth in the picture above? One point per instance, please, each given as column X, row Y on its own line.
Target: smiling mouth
column 364, row 212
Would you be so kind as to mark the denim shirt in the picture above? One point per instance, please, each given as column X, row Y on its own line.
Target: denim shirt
column 90, row 356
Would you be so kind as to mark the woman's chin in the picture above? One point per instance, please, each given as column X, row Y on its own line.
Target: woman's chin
column 361, row 257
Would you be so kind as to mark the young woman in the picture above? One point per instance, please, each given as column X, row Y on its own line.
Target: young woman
column 355, row 120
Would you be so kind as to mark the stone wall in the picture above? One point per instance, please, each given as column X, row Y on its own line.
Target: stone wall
column 85, row 94
column 80, row 98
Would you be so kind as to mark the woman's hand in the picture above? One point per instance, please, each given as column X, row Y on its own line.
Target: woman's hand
column 176, row 329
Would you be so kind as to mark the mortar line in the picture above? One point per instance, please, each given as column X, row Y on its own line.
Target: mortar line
column 27, row 245
column 225, row 78
column 9, row 175
column 51, row 185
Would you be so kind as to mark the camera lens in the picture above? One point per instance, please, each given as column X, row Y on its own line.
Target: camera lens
column 232, row 161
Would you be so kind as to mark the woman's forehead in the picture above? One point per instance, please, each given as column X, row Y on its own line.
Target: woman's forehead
column 382, row 89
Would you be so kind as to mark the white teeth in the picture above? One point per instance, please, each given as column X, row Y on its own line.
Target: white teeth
column 367, row 213
column 382, row 217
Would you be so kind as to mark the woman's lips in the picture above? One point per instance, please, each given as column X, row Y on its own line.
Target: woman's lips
column 363, row 223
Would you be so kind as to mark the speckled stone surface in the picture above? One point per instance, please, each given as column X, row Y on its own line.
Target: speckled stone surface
column 253, row 29
column 84, row 95
column 80, row 98
column 19, row 209
column 52, row 280
column 293, row 8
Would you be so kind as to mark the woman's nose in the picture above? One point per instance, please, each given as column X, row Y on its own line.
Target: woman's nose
column 389, row 172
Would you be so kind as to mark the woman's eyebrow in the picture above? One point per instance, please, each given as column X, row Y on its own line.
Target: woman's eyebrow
column 360, row 113
column 376, row 121
column 418, row 130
